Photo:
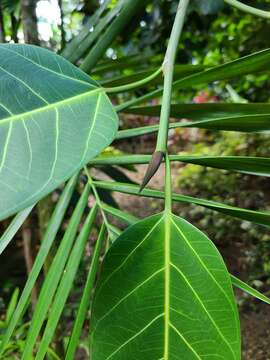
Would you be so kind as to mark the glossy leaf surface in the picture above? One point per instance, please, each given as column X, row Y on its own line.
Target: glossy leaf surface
column 175, row 300
column 53, row 120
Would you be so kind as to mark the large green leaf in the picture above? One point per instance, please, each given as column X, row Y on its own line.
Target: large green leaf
column 130, row 220
column 175, row 300
column 53, row 120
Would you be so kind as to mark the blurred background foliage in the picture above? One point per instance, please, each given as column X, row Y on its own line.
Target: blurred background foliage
column 214, row 33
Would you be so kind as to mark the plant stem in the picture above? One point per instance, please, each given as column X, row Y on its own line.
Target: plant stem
column 91, row 183
column 249, row 9
column 168, row 66
column 168, row 184
column 134, row 84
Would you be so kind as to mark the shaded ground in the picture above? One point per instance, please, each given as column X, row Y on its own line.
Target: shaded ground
column 255, row 324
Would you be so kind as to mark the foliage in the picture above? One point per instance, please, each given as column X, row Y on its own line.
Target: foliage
column 53, row 110
column 242, row 191
column 163, row 284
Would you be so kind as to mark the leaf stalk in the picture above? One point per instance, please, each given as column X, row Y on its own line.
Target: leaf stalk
column 249, row 9
column 168, row 184
column 167, row 68
column 135, row 84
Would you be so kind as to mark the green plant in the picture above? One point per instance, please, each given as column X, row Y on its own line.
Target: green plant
column 164, row 291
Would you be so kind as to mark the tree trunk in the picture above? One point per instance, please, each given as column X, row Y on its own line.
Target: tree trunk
column 62, row 28
column 29, row 21
column 2, row 26
column 14, row 27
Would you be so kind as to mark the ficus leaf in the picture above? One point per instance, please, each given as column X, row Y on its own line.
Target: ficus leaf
column 175, row 300
column 53, row 120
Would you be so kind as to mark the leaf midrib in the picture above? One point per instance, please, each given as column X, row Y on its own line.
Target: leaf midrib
column 167, row 260
column 50, row 106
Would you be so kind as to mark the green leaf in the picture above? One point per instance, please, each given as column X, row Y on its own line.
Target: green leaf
column 54, row 274
column 13, row 227
column 175, row 300
column 258, row 217
column 253, row 123
column 258, row 61
column 85, row 300
column 46, row 243
column 246, row 164
column 12, row 305
column 216, row 116
column 53, row 120
column 83, row 46
column 249, row 165
column 71, row 49
column 249, row 290
column 134, row 61
column 65, row 284
column 205, row 111
column 128, row 11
